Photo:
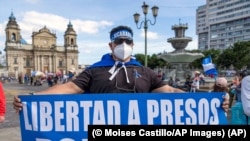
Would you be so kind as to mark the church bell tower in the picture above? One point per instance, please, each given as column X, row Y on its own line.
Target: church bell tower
column 70, row 36
column 12, row 30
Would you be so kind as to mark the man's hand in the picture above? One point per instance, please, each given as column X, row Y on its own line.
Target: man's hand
column 2, row 118
column 225, row 104
column 17, row 105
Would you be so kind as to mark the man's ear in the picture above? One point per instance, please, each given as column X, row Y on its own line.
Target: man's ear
column 111, row 45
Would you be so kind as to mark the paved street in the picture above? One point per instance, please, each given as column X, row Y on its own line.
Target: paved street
column 9, row 130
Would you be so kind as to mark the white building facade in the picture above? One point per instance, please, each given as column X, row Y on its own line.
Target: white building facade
column 43, row 54
column 221, row 23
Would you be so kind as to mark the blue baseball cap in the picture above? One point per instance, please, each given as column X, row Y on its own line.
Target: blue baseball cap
column 121, row 32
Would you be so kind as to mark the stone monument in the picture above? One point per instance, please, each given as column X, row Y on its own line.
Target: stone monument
column 180, row 59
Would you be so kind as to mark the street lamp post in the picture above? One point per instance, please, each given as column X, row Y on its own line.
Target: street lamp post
column 145, row 22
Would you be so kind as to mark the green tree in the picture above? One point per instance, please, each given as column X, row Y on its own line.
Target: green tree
column 140, row 58
column 237, row 55
column 153, row 61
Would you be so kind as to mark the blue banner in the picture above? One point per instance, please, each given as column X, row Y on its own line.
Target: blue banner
column 66, row 117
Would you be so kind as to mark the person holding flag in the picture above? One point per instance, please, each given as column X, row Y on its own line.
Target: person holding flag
column 209, row 67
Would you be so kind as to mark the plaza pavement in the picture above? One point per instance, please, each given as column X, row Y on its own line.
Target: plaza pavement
column 10, row 129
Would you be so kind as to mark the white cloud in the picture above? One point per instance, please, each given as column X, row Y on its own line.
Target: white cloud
column 2, row 29
column 33, row 21
column 91, row 27
column 41, row 19
column 150, row 35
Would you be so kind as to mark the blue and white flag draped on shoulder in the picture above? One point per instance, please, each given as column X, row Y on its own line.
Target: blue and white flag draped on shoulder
column 208, row 66
column 108, row 61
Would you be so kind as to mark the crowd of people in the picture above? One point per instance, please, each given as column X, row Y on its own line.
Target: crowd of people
column 36, row 81
column 239, row 91
column 239, row 101
column 49, row 78
column 191, row 84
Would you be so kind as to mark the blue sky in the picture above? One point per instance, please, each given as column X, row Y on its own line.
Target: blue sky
column 93, row 19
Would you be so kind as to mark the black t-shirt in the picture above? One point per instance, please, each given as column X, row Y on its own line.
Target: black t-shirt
column 96, row 80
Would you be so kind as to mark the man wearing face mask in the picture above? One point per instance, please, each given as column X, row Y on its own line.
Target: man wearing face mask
column 116, row 72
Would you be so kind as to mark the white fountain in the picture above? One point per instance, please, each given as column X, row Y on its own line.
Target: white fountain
column 180, row 59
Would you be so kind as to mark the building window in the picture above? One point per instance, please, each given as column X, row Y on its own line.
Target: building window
column 13, row 37
column 15, row 61
column 60, row 63
column 72, row 62
column 46, row 60
column 27, row 62
column 15, row 68
column 214, row 36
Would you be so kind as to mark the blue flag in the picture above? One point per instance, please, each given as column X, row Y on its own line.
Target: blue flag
column 208, row 66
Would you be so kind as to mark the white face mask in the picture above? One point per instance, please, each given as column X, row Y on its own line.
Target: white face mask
column 123, row 51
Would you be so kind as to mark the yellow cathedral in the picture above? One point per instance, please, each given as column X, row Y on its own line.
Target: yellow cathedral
column 43, row 54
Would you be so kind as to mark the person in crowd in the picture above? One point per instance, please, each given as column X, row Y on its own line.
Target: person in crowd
column 31, row 80
column 195, row 82
column 55, row 78
column 241, row 75
column 49, row 81
column 117, row 72
column 2, row 104
column 232, row 89
column 159, row 74
column 26, row 79
column 188, row 82
column 20, row 79
column 71, row 74
column 221, row 85
column 177, row 83
column 163, row 76
column 202, row 79
column 171, row 81
column 65, row 78
column 240, row 110
column 245, row 94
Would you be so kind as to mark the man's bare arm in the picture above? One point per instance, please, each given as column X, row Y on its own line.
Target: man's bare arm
column 167, row 89
column 66, row 88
